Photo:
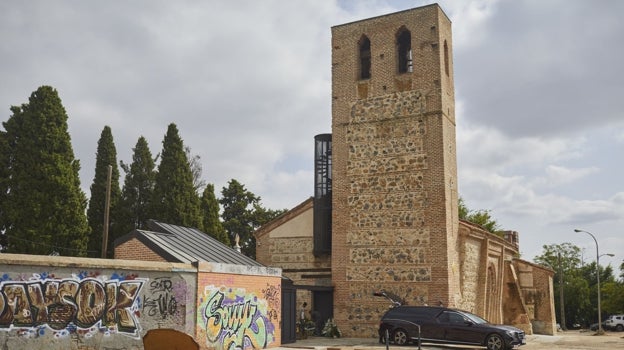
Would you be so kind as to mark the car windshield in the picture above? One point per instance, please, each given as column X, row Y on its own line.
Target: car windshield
column 474, row 318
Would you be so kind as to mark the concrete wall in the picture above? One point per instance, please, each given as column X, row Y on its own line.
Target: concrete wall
column 78, row 303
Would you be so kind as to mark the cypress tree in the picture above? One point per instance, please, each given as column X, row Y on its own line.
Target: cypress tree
column 138, row 188
column 106, row 155
column 43, row 207
column 210, row 213
column 175, row 200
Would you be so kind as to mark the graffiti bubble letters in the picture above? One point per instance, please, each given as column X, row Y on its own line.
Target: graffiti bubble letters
column 57, row 302
column 235, row 324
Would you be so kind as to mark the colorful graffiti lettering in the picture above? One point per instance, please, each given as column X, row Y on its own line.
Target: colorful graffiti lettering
column 70, row 304
column 236, row 321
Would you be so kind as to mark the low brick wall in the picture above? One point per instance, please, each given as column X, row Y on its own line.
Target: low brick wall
column 78, row 303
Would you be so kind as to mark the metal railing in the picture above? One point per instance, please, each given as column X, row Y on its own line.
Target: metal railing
column 387, row 335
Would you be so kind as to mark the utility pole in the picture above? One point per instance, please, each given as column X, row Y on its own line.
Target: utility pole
column 561, row 304
column 106, row 212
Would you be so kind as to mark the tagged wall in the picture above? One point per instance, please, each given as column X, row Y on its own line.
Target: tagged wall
column 238, row 312
column 77, row 303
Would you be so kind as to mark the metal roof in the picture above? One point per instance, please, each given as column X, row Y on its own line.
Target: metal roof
column 187, row 245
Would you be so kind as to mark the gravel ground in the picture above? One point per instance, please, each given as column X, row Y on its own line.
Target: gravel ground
column 568, row 340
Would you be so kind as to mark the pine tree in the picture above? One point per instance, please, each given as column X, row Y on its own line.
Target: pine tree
column 210, row 212
column 138, row 188
column 106, row 156
column 175, row 200
column 43, row 207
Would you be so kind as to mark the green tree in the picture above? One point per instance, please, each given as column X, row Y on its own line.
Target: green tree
column 174, row 200
column 462, row 209
column 565, row 260
column 43, row 208
column 106, row 156
column 478, row 217
column 612, row 296
column 243, row 214
column 237, row 204
column 138, row 188
column 210, row 212
column 588, row 273
column 196, row 170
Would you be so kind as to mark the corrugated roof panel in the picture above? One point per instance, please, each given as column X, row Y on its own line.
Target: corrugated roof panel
column 189, row 245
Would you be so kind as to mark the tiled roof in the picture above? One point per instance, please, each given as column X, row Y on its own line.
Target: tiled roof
column 187, row 245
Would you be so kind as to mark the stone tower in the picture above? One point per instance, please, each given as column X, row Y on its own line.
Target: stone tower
column 394, row 165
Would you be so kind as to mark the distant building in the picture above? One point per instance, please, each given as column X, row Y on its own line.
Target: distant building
column 384, row 215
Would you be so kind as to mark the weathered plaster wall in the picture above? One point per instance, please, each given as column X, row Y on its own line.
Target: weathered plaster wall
column 76, row 303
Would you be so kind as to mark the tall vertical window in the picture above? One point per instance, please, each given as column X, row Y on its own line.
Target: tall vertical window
column 365, row 57
column 446, row 59
column 404, row 50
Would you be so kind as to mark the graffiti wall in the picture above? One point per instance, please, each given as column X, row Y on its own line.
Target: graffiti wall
column 238, row 311
column 73, row 303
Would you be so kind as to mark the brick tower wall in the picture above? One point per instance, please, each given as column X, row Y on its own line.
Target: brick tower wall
column 394, row 169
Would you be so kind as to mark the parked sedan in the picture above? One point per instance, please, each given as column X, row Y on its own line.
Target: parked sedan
column 405, row 324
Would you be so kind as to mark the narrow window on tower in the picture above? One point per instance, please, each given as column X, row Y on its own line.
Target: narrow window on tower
column 404, row 50
column 446, row 59
column 365, row 58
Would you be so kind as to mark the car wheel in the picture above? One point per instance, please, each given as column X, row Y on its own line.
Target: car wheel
column 495, row 342
column 619, row 328
column 400, row 337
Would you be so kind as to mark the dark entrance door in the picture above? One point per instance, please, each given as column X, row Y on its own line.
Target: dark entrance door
column 289, row 312
column 323, row 305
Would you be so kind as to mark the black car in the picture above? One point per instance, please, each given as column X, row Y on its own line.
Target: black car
column 447, row 326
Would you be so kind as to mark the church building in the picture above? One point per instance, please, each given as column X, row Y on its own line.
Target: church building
column 384, row 215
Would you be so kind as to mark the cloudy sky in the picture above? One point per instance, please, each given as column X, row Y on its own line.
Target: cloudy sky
column 539, row 88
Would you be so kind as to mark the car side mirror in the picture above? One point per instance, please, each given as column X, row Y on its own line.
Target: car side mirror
column 468, row 323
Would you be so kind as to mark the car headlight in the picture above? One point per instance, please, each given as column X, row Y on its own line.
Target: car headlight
column 511, row 334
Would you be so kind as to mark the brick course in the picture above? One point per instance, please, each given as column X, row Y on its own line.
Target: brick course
column 134, row 249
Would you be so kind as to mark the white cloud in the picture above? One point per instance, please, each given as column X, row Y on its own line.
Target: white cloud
column 248, row 83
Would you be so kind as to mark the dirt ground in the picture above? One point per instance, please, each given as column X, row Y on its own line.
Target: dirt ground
column 568, row 340
column 577, row 340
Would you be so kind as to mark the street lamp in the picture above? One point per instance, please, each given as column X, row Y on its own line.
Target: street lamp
column 600, row 331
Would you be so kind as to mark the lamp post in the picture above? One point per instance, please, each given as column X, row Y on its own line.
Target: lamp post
column 600, row 331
